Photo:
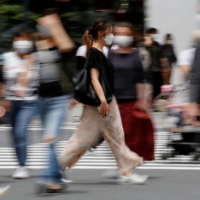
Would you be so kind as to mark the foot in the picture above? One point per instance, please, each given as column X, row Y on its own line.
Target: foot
column 49, row 188
column 134, row 179
column 4, row 189
column 21, row 173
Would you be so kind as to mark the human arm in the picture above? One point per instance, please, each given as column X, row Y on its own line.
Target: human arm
column 60, row 36
column 104, row 107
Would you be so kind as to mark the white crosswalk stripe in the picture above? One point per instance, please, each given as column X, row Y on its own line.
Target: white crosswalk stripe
column 102, row 157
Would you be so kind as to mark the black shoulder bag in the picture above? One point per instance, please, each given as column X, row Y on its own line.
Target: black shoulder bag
column 83, row 88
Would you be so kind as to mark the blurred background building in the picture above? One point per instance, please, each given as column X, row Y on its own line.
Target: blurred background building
column 178, row 17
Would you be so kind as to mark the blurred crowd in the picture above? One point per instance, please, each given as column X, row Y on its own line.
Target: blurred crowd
column 119, row 77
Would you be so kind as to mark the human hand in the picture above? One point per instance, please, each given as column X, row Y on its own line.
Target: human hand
column 2, row 111
column 72, row 103
column 104, row 109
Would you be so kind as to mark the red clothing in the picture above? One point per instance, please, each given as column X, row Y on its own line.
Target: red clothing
column 138, row 129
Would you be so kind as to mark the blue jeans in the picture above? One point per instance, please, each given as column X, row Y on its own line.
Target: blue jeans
column 21, row 115
column 53, row 112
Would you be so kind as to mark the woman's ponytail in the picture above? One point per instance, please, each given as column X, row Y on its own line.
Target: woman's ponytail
column 87, row 40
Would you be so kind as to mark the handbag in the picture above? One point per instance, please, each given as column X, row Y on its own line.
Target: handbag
column 83, row 88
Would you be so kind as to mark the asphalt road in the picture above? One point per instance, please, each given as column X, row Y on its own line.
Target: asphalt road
column 89, row 185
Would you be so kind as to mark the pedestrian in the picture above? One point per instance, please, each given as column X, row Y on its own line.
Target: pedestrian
column 17, row 66
column 169, row 53
column 158, row 61
column 53, row 100
column 129, row 89
column 81, row 52
column 3, row 189
column 104, row 119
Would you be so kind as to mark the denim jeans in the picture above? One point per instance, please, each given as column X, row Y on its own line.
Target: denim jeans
column 21, row 115
column 53, row 112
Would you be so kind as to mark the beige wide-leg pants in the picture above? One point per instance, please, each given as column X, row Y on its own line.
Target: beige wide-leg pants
column 88, row 131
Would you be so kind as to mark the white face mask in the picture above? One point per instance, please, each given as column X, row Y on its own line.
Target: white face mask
column 23, row 46
column 109, row 39
column 169, row 42
column 154, row 37
column 123, row 41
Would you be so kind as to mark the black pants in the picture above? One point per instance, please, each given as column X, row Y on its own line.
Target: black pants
column 157, row 83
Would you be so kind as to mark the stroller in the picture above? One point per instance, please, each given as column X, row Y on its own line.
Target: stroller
column 184, row 138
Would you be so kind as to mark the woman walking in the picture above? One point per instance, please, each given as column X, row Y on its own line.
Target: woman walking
column 53, row 100
column 93, row 120
column 130, row 92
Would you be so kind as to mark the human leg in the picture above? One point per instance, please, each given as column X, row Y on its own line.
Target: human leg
column 28, row 109
column 53, row 111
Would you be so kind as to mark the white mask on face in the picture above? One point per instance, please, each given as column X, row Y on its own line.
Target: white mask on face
column 23, row 46
column 109, row 39
column 123, row 41
column 154, row 37
column 169, row 42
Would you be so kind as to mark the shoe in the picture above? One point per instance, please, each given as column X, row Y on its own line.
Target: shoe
column 112, row 173
column 134, row 179
column 21, row 173
column 4, row 189
column 65, row 177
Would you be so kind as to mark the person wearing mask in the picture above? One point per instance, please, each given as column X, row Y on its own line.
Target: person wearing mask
column 168, row 52
column 104, row 119
column 158, row 61
column 21, row 95
column 51, row 52
column 130, row 92
column 81, row 52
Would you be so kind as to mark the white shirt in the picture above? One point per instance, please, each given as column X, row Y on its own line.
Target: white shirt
column 82, row 51
column 12, row 66
column 186, row 57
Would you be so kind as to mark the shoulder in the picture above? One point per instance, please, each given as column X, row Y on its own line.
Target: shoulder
column 81, row 51
column 94, row 52
column 9, row 55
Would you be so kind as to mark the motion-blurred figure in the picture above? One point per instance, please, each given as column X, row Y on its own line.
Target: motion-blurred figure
column 168, row 52
column 194, row 78
column 18, row 67
column 53, row 100
column 3, row 189
column 158, row 61
column 104, row 119
column 130, row 92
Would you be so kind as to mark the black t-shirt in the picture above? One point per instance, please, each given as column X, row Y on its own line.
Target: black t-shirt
column 156, row 54
column 128, row 71
column 96, row 59
column 50, row 62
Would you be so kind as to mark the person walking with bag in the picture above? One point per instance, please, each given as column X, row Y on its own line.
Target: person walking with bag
column 129, row 85
column 101, row 114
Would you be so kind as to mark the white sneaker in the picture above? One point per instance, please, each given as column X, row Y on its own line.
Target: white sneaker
column 21, row 173
column 134, row 179
column 4, row 189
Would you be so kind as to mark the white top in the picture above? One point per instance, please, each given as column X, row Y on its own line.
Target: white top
column 186, row 57
column 12, row 66
column 82, row 51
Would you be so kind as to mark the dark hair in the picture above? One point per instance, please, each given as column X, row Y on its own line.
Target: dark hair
column 21, row 32
column 150, row 30
column 50, row 11
column 127, row 25
column 92, row 34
